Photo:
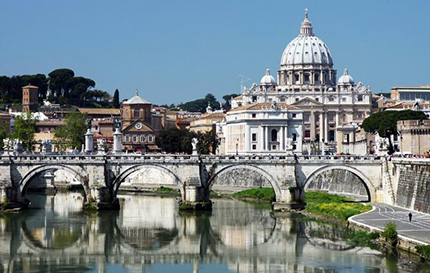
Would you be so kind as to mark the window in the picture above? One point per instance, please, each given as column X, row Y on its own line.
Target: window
column 308, row 133
column 274, row 135
column 330, row 98
column 307, row 117
column 254, row 98
column 134, row 138
column 306, row 78
column 331, row 135
column 254, row 115
column 142, row 138
column 150, row 138
column 294, row 115
column 254, row 147
column 294, row 146
column 343, row 99
column 360, row 97
column 317, row 99
column 254, row 137
column 297, row 99
column 294, row 137
column 273, row 147
column 126, row 113
column 136, row 113
column 127, row 138
column 330, row 116
column 359, row 115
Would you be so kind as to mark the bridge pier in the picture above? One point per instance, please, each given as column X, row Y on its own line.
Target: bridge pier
column 291, row 198
column 101, row 198
column 11, row 199
column 194, row 196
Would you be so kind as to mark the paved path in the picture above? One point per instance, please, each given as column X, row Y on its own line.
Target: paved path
column 418, row 229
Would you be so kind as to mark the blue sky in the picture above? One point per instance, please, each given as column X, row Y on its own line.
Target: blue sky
column 177, row 51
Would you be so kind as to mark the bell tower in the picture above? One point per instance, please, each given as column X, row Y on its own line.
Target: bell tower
column 29, row 98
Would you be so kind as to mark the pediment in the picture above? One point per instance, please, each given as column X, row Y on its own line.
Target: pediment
column 143, row 127
column 307, row 102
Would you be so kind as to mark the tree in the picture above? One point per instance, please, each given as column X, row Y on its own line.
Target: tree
column 72, row 134
column 4, row 131
column 61, row 81
column 175, row 141
column 384, row 123
column 115, row 101
column 200, row 105
column 24, row 128
column 207, row 142
column 227, row 99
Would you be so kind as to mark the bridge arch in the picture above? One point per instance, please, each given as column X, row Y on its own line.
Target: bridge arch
column 367, row 183
column 123, row 175
column 78, row 173
column 251, row 167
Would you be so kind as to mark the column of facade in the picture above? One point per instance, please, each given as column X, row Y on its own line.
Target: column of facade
column 321, row 126
column 262, row 146
column 247, row 139
column 327, row 127
column 313, row 125
column 266, row 142
column 281, row 143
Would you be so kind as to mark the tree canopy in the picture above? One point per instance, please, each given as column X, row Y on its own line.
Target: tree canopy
column 24, row 129
column 179, row 141
column 65, row 87
column 72, row 134
column 384, row 123
column 200, row 105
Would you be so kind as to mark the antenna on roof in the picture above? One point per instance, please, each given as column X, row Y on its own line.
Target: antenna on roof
column 243, row 79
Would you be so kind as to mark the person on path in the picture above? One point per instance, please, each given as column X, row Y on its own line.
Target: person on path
column 410, row 216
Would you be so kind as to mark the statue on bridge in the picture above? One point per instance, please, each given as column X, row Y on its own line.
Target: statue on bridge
column 46, row 146
column 194, row 142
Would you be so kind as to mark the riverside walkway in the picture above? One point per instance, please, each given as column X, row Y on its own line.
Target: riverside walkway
column 417, row 230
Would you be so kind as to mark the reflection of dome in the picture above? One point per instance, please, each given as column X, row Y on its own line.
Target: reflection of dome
column 306, row 48
column 345, row 79
column 268, row 79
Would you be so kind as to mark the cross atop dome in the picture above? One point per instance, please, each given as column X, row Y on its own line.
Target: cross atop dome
column 306, row 28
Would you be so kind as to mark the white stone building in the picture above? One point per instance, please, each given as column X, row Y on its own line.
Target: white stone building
column 259, row 128
column 307, row 79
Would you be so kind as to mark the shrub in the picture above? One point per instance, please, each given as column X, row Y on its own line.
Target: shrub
column 390, row 233
column 423, row 251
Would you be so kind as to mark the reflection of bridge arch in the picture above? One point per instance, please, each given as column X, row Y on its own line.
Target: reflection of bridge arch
column 251, row 167
column 122, row 176
column 35, row 244
column 367, row 183
column 79, row 174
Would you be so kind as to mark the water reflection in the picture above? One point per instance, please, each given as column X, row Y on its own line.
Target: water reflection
column 149, row 234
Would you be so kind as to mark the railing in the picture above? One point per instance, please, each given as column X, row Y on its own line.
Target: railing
column 35, row 157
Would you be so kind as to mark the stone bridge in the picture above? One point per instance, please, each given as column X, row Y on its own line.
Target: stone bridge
column 102, row 175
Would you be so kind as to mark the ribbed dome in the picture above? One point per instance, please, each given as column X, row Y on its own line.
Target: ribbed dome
column 306, row 48
column 345, row 79
column 268, row 79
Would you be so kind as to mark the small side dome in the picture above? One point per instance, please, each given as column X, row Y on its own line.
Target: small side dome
column 345, row 79
column 268, row 79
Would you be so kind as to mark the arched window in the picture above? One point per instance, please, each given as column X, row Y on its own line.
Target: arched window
column 134, row 138
column 142, row 138
column 136, row 113
column 127, row 138
column 274, row 135
column 126, row 113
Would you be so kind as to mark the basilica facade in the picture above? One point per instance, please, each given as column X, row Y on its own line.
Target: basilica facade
column 332, row 107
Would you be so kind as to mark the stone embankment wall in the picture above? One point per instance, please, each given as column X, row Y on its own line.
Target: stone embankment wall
column 413, row 186
column 339, row 181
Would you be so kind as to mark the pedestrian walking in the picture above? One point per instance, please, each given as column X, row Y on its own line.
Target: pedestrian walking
column 410, row 216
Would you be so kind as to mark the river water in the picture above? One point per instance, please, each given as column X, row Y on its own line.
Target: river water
column 149, row 234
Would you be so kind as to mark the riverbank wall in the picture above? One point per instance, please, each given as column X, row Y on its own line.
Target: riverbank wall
column 412, row 178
